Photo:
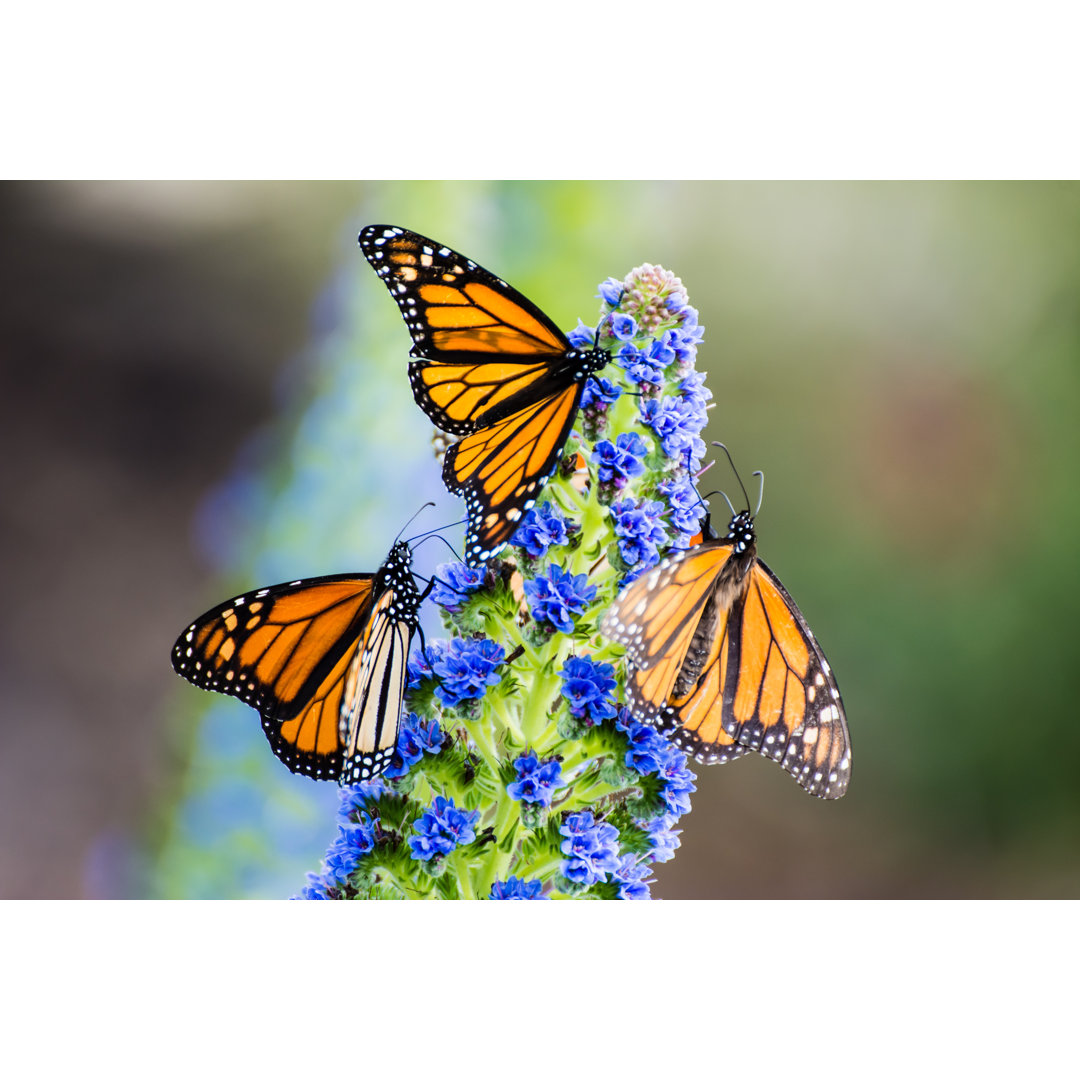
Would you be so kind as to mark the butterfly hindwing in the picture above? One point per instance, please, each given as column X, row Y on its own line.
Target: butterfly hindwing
column 311, row 656
column 781, row 698
column 502, row 469
column 491, row 368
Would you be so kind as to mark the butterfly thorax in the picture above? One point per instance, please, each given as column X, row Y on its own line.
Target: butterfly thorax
column 396, row 574
column 741, row 537
column 587, row 361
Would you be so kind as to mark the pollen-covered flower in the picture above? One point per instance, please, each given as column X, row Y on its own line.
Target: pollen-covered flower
column 537, row 780
column 541, row 528
column 557, row 595
column 587, row 686
column 619, row 461
column 467, row 669
column 454, row 583
column 591, row 848
column 516, row 889
column 640, row 530
column 441, row 828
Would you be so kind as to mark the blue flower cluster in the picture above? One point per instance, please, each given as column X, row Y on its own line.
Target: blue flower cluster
column 453, row 582
column 466, row 668
column 416, row 737
column 640, row 530
column 663, row 837
column 685, row 505
column 620, row 461
column 516, row 889
column 587, row 686
column 542, row 527
column 650, row 752
column 421, row 659
column 356, row 836
column 441, row 828
column 631, row 874
column 677, row 422
column 537, row 780
column 591, row 848
column 599, row 393
column 556, row 595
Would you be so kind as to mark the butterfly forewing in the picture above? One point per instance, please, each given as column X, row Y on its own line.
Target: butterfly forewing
column 273, row 647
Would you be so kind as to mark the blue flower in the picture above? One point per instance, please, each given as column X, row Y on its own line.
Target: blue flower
column 419, row 667
column 661, row 353
column 358, row 797
column 631, row 875
column 354, row 840
column 664, row 838
column 648, row 748
column 542, row 527
column 599, row 393
column 587, row 686
column 516, row 889
column 677, row 421
column 454, row 582
column 592, row 849
column 638, row 367
column 582, row 336
column 623, row 326
column 466, row 669
column 640, row 530
column 315, row 889
column 686, row 507
column 695, row 391
column 611, row 291
column 678, row 781
column 537, row 780
column 618, row 462
column 555, row 596
column 415, row 738
column 441, row 828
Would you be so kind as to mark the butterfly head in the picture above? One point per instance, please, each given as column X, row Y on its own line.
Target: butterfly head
column 741, row 533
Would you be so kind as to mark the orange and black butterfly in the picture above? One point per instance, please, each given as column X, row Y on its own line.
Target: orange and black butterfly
column 492, row 368
column 719, row 657
column 323, row 660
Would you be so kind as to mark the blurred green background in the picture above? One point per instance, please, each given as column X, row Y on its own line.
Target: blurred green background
column 204, row 390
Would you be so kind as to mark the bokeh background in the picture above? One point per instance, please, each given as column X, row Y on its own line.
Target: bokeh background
column 203, row 390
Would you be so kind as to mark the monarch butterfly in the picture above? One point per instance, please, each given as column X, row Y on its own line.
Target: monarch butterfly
column 492, row 368
column 323, row 660
column 720, row 657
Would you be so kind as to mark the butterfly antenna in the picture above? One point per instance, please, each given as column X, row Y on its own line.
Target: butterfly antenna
column 411, row 520
column 439, row 536
column 737, row 476
column 761, row 491
column 433, row 532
